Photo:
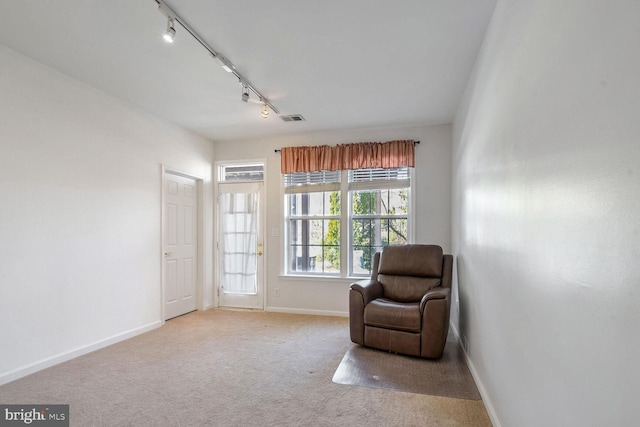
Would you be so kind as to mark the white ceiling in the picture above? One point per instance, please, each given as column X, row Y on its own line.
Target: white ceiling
column 340, row 63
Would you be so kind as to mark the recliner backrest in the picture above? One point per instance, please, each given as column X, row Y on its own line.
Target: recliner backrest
column 407, row 272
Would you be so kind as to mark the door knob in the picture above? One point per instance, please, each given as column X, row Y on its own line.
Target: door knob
column 259, row 253
column 168, row 253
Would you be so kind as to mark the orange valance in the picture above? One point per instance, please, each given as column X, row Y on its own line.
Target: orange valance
column 362, row 155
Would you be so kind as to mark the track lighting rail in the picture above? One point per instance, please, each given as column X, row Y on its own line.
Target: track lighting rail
column 167, row 11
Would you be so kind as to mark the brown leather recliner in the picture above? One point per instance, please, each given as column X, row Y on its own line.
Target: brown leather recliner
column 404, row 307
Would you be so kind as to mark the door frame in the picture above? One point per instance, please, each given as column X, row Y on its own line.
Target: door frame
column 262, row 222
column 199, row 234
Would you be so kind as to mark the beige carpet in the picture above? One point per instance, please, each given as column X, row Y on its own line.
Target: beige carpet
column 231, row 368
column 448, row 376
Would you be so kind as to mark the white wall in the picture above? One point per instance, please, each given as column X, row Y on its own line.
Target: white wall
column 546, row 213
column 80, row 215
column 433, row 206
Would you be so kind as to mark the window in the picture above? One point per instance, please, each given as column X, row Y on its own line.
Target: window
column 242, row 172
column 360, row 210
column 313, row 225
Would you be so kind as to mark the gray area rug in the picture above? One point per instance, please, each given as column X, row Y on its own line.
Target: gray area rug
column 448, row 376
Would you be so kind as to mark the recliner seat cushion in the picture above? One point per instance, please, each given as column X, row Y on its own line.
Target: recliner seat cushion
column 406, row 288
column 384, row 313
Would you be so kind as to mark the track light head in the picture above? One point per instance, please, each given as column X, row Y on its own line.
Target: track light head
column 265, row 111
column 245, row 94
column 170, row 34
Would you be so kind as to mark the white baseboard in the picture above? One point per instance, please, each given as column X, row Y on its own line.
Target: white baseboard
column 31, row 368
column 306, row 311
column 483, row 391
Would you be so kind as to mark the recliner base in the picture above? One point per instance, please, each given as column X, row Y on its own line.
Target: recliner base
column 392, row 340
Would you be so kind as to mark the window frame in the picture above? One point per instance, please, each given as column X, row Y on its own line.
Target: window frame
column 223, row 166
column 345, row 190
column 323, row 217
column 353, row 218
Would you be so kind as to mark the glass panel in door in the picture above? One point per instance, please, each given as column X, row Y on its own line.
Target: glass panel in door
column 240, row 245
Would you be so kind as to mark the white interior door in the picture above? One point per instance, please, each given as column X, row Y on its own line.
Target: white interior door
column 180, row 245
column 240, row 245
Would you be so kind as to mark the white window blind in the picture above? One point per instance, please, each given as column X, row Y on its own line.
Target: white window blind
column 306, row 182
column 364, row 179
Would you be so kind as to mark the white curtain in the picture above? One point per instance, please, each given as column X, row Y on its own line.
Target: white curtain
column 239, row 242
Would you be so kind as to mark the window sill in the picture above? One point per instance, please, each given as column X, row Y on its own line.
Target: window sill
column 313, row 278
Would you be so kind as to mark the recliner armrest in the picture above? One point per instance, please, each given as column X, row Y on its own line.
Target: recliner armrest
column 369, row 289
column 433, row 294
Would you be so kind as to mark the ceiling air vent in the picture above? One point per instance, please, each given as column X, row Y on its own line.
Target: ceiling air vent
column 293, row 118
